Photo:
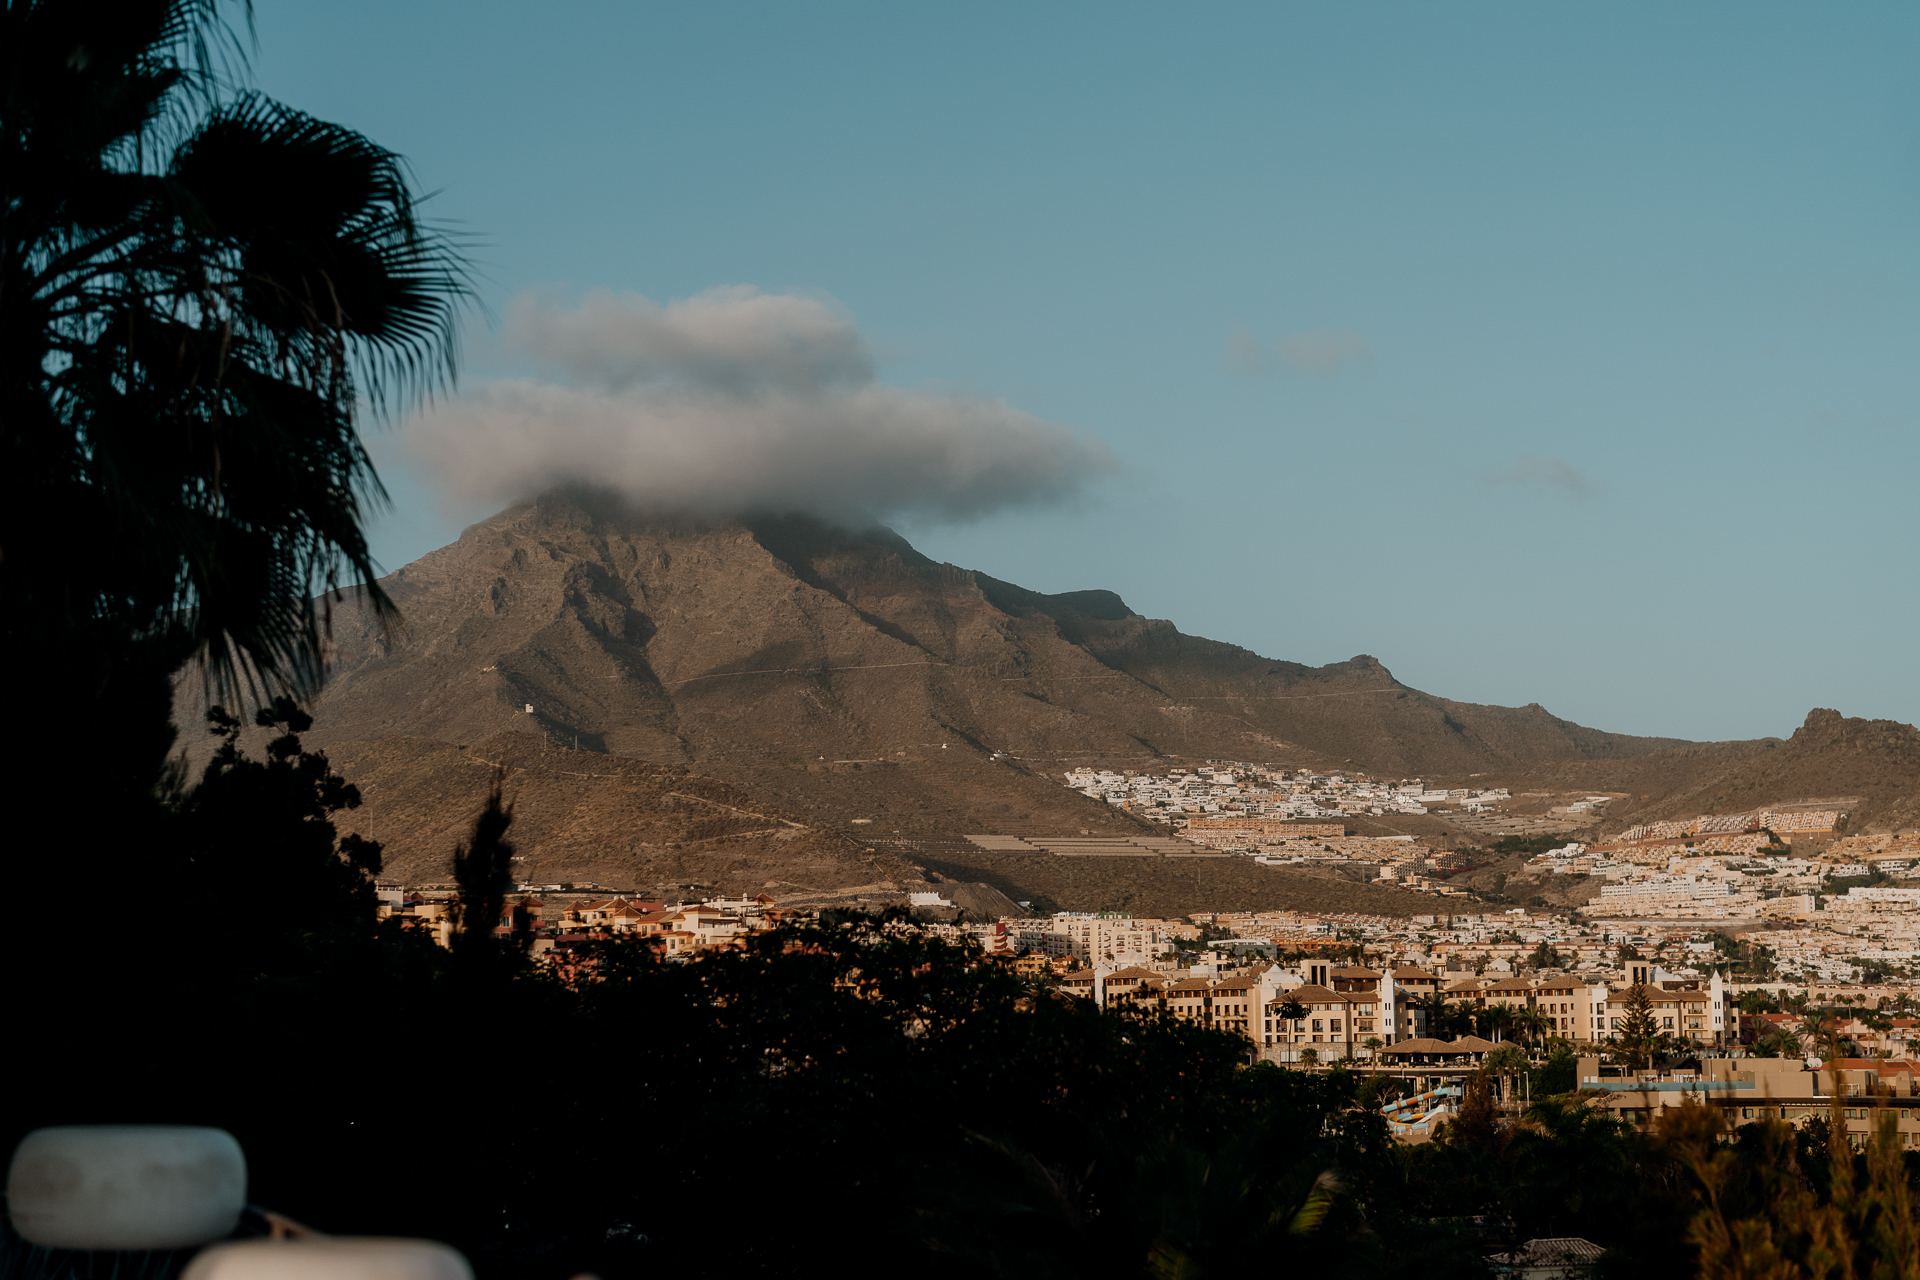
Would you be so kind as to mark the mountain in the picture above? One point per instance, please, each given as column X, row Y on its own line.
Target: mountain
column 839, row 684
column 1871, row 768
column 850, row 676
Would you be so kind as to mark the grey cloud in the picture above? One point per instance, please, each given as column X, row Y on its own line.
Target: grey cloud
column 1245, row 353
column 1323, row 352
column 1319, row 352
column 733, row 338
column 735, row 401
column 1550, row 472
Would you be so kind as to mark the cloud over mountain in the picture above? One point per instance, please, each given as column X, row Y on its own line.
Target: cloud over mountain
column 735, row 401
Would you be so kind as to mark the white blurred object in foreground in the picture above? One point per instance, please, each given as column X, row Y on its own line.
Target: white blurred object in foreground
column 335, row 1258
column 126, row 1187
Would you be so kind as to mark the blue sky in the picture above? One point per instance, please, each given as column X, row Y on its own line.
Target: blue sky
column 1547, row 353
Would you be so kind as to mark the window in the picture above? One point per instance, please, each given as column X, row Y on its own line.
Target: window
column 1316, row 1024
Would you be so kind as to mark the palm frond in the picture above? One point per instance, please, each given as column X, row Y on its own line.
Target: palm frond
column 201, row 293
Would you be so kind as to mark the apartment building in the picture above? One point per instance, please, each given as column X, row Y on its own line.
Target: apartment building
column 1748, row 1090
column 1092, row 939
column 1579, row 1008
column 1687, row 1008
column 1575, row 1008
column 1226, row 1004
column 1676, row 898
column 1409, row 1017
column 1334, row 1024
column 1382, row 988
column 1132, row 985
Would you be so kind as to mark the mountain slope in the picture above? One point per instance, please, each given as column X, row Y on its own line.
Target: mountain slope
column 586, row 817
column 1869, row 767
column 853, row 677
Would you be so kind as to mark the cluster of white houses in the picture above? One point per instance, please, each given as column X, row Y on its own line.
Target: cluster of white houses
column 1258, row 790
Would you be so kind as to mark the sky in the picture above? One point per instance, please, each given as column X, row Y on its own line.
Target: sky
column 1558, row 354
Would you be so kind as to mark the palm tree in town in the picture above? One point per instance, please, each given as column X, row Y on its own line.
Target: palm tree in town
column 1499, row 1021
column 1443, row 1016
column 1506, row 1062
column 1531, row 1023
column 202, row 292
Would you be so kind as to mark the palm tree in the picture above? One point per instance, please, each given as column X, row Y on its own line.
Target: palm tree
column 1506, row 1062
column 201, row 293
column 1499, row 1020
column 1530, row 1022
column 1443, row 1016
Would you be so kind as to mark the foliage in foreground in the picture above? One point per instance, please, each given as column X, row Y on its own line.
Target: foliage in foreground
column 819, row 1094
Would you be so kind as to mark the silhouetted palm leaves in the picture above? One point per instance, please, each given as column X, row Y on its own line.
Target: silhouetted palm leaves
column 200, row 290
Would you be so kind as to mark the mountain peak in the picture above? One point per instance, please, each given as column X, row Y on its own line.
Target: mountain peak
column 737, row 646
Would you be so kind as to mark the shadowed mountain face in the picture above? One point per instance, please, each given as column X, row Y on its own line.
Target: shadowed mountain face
column 852, row 676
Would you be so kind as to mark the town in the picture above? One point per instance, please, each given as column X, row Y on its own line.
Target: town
column 1734, row 960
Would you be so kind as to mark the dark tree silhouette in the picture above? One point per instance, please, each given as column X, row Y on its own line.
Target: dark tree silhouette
column 483, row 868
column 200, row 289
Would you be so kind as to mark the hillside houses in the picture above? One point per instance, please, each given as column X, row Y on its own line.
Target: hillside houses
column 679, row 930
column 1260, row 791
